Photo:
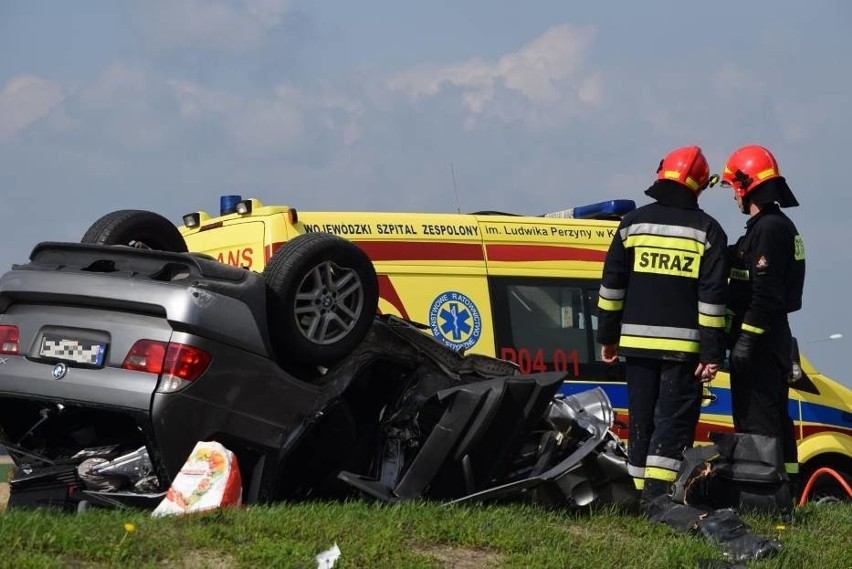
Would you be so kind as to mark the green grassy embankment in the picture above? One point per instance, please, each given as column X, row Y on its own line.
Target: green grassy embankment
column 408, row 535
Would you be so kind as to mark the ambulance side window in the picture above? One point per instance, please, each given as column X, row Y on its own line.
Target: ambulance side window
column 592, row 302
column 547, row 324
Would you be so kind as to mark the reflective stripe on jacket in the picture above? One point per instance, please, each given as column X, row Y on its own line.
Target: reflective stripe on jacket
column 663, row 291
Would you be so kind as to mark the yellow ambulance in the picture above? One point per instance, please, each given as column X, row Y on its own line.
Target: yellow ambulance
column 522, row 288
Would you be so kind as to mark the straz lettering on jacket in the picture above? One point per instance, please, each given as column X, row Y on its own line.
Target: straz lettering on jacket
column 666, row 249
column 666, row 262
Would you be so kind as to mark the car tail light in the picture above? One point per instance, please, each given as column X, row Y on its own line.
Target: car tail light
column 9, row 339
column 185, row 362
column 177, row 364
column 146, row 355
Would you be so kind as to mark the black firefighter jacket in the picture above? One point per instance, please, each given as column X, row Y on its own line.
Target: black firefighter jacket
column 767, row 272
column 664, row 287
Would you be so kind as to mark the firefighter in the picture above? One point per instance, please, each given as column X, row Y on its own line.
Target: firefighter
column 767, row 278
column 662, row 306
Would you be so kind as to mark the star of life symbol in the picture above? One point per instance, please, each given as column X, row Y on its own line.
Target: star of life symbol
column 454, row 319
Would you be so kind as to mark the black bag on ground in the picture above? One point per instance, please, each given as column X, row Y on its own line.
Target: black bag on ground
column 743, row 471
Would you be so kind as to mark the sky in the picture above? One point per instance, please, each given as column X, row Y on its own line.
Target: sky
column 165, row 105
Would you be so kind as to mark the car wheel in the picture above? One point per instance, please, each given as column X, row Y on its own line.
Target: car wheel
column 323, row 295
column 136, row 228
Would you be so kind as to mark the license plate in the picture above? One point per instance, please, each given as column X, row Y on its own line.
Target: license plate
column 71, row 350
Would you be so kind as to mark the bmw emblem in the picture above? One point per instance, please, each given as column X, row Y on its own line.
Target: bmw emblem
column 59, row 370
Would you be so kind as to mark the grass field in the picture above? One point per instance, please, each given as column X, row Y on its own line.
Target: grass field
column 5, row 468
column 409, row 535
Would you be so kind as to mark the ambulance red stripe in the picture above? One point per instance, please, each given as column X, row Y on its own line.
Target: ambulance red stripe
column 520, row 253
column 421, row 251
column 438, row 251
column 808, row 430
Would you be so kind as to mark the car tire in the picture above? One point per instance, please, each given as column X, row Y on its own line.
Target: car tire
column 136, row 228
column 322, row 296
column 827, row 489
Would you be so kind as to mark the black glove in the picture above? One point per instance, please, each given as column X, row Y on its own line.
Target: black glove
column 743, row 349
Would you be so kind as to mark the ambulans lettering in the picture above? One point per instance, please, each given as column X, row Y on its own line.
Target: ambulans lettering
column 666, row 262
column 240, row 257
column 339, row 228
column 452, row 230
column 455, row 320
column 395, row 229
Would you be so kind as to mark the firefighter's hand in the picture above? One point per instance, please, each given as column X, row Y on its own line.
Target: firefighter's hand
column 743, row 349
column 609, row 353
column 706, row 372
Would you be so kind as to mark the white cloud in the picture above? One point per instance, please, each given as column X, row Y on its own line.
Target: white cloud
column 540, row 68
column 130, row 109
column 24, row 100
column 267, row 126
column 194, row 101
column 118, row 83
column 591, row 91
column 547, row 73
column 272, row 122
column 125, row 106
column 230, row 25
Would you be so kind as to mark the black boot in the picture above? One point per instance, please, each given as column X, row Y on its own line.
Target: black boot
column 653, row 491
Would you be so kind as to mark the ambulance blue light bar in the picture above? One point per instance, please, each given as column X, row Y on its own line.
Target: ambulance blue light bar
column 228, row 204
column 612, row 209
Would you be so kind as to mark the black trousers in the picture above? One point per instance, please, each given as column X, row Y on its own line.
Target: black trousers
column 664, row 403
column 759, row 393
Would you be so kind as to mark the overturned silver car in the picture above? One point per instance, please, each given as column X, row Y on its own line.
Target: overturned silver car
column 117, row 360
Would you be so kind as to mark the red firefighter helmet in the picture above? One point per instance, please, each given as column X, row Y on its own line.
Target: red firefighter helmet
column 687, row 166
column 749, row 167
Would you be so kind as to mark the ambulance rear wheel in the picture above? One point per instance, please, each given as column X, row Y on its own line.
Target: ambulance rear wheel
column 825, row 488
column 136, row 228
column 323, row 294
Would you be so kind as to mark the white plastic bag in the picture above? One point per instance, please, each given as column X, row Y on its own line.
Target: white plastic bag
column 327, row 558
